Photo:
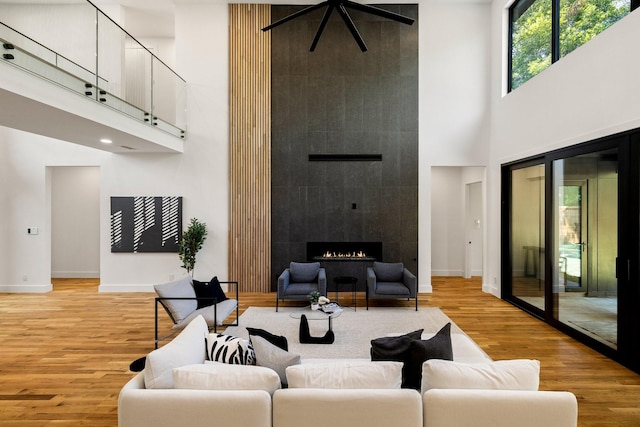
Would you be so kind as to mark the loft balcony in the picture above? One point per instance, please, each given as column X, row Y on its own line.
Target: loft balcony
column 82, row 78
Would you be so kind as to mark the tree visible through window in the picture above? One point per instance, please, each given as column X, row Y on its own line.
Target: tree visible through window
column 532, row 35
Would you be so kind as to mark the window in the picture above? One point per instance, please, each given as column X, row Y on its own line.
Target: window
column 531, row 47
column 543, row 31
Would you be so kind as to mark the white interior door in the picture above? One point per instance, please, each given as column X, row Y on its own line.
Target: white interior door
column 474, row 224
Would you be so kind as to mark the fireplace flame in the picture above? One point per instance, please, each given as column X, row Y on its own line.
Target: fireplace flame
column 354, row 254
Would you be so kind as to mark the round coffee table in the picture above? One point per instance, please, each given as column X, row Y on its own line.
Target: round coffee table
column 307, row 314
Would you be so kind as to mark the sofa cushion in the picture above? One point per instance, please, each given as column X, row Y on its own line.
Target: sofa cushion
column 211, row 289
column 178, row 309
column 230, row 349
column 304, row 272
column 185, row 349
column 438, row 347
column 222, row 376
column 273, row 357
column 350, row 374
column 519, row 374
column 388, row 271
column 299, row 407
column 499, row 408
column 277, row 340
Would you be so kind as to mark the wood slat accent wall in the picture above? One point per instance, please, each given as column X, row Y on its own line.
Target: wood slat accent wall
column 250, row 146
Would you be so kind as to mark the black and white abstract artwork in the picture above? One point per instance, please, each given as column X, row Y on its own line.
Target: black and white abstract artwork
column 146, row 224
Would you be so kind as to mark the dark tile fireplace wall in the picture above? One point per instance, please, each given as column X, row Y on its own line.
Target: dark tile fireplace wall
column 344, row 136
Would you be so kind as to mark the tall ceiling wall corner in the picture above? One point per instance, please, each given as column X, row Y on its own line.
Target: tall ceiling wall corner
column 250, row 146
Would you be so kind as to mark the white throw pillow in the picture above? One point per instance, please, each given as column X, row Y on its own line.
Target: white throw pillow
column 185, row 349
column 345, row 375
column 519, row 374
column 222, row 376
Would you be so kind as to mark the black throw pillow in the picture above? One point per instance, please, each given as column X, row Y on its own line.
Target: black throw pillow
column 138, row 364
column 393, row 349
column 210, row 289
column 277, row 340
column 437, row 347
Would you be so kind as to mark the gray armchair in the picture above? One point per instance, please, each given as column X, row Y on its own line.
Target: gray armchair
column 391, row 280
column 299, row 280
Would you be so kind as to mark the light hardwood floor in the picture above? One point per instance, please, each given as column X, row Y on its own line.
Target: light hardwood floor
column 65, row 354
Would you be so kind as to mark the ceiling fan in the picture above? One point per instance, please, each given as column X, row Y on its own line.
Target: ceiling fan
column 341, row 7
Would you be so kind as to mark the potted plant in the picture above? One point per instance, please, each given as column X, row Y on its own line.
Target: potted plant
column 190, row 243
column 314, row 297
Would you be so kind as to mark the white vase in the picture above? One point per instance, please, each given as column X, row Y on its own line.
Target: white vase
column 315, row 306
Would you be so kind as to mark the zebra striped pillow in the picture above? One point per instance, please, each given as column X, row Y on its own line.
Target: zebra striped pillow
column 230, row 349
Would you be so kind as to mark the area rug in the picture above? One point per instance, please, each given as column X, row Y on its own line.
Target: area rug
column 607, row 331
column 353, row 330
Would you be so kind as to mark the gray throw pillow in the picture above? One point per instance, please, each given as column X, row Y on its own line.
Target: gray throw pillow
column 304, row 272
column 271, row 356
column 388, row 271
column 178, row 309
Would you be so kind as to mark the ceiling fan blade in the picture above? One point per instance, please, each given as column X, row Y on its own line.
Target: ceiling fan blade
column 295, row 15
column 323, row 23
column 352, row 27
column 379, row 12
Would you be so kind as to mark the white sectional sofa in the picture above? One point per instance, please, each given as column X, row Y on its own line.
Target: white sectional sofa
column 370, row 397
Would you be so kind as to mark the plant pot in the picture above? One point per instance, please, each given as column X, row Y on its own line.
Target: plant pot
column 315, row 306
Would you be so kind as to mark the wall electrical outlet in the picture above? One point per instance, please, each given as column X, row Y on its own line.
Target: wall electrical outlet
column 25, row 278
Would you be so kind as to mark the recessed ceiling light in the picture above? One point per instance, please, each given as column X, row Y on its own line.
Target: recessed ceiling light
column 106, row 141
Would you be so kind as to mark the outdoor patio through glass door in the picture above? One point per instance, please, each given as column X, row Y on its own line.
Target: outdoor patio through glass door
column 571, row 242
column 585, row 207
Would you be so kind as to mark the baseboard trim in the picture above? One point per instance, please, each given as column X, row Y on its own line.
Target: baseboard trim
column 425, row 289
column 447, row 273
column 125, row 288
column 491, row 289
column 30, row 289
column 75, row 274
column 138, row 288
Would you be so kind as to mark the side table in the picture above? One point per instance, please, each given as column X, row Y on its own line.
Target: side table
column 347, row 280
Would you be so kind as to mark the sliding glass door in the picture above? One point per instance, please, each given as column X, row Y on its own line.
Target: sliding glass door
column 528, row 230
column 570, row 245
column 585, row 243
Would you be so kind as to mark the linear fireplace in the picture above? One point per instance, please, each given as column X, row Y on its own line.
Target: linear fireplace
column 344, row 251
column 345, row 259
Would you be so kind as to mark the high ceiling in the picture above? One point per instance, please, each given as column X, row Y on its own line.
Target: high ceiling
column 155, row 18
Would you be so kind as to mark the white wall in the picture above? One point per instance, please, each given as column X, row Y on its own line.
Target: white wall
column 453, row 131
column 68, row 29
column 447, row 226
column 26, row 194
column 75, row 221
column 454, row 108
column 200, row 175
column 448, row 214
column 592, row 92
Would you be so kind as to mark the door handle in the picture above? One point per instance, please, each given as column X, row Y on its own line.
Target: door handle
column 623, row 266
